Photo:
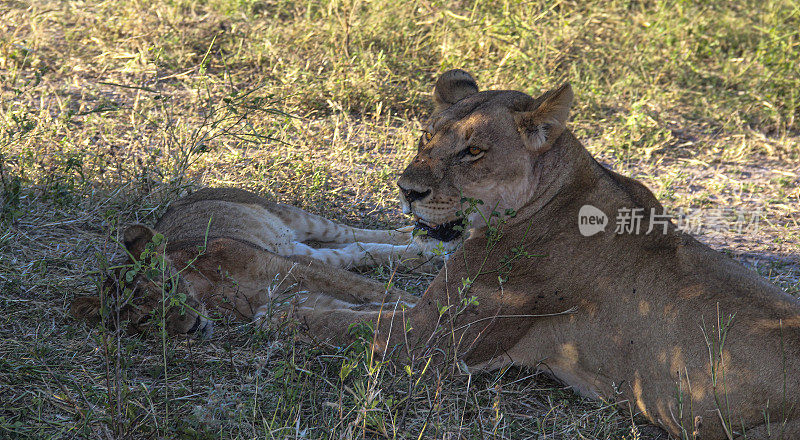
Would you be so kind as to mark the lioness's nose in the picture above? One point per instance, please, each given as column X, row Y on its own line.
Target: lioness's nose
column 412, row 195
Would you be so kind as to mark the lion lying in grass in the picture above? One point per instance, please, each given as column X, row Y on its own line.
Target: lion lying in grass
column 234, row 252
column 690, row 338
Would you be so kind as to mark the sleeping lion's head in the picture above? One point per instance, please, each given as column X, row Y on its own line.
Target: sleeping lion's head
column 479, row 149
column 145, row 292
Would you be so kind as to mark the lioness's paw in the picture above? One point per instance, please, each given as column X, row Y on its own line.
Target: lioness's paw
column 274, row 313
column 406, row 234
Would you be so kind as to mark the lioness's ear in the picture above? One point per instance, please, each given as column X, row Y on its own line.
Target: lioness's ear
column 453, row 86
column 135, row 239
column 541, row 126
column 85, row 307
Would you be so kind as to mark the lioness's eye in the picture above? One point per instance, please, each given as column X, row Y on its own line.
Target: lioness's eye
column 470, row 154
column 424, row 139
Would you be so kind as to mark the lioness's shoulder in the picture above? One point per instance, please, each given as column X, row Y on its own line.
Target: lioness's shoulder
column 641, row 195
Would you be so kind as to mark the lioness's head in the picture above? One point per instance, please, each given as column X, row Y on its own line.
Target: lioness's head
column 145, row 289
column 480, row 146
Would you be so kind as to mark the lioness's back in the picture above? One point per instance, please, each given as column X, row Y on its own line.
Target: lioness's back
column 232, row 213
column 240, row 215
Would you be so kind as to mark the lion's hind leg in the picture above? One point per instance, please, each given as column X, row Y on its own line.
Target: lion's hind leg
column 400, row 236
column 360, row 254
column 310, row 227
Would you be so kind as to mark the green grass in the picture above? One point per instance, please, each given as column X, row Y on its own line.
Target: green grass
column 109, row 110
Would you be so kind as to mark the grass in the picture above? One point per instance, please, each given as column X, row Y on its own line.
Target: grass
column 109, row 110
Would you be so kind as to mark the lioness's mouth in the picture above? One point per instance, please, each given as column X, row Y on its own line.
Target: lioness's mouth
column 444, row 232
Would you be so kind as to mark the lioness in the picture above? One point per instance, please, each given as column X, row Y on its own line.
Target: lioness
column 692, row 339
column 229, row 250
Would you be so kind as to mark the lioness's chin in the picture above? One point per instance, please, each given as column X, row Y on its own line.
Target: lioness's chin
column 444, row 232
column 441, row 239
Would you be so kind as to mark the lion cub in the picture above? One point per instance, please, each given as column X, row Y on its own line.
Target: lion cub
column 233, row 252
column 283, row 229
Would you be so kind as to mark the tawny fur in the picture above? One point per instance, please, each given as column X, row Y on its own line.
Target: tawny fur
column 233, row 252
column 281, row 229
column 617, row 316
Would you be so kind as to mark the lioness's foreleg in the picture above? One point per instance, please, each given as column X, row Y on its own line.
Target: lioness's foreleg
column 317, row 277
column 328, row 319
column 408, row 326
column 232, row 274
